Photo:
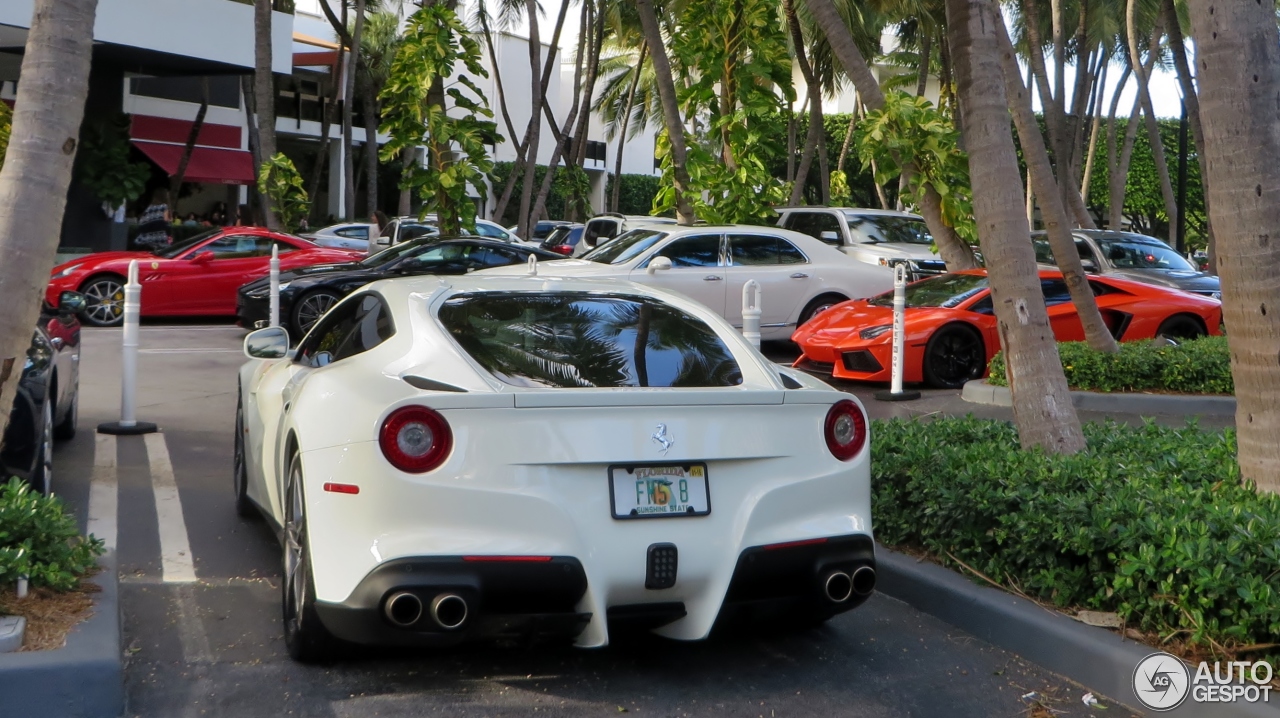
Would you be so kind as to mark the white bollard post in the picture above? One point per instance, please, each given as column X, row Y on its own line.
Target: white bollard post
column 275, row 285
column 129, row 423
column 895, row 392
column 751, row 312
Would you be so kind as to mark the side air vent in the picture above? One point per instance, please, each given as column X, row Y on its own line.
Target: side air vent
column 426, row 384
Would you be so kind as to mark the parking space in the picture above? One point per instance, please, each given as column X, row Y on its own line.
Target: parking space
column 201, row 598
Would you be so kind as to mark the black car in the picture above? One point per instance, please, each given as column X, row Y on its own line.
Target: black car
column 307, row 293
column 47, row 405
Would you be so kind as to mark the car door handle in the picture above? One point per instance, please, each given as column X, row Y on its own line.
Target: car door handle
column 799, row 275
column 711, row 278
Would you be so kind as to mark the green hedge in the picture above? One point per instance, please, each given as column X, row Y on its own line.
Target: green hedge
column 636, row 194
column 39, row 539
column 1149, row 522
column 1200, row 366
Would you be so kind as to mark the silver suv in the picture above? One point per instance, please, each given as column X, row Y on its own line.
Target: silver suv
column 874, row 236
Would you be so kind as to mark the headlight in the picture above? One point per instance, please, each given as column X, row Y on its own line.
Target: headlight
column 66, row 271
column 263, row 291
column 873, row 332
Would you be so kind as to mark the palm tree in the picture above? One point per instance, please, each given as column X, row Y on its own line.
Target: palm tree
column 1177, row 46
column 1238, row 55
column 617, row 101
column 264, row 95
column 670, row 108
column 378, row 48
column 1042, row 406
column 37, row 170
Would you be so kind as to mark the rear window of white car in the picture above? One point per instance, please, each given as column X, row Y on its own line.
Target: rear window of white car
column 578, row 340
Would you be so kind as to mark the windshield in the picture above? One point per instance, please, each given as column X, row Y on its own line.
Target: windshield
column 391, row 254
column 1134, row 252
column 558, row 236
column 626, row 247
column 178, row 248
column 904, row 230
column 944, row 290
column 578, row 340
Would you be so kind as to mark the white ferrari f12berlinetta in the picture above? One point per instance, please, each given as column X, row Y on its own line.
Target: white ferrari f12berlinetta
column 450, row 458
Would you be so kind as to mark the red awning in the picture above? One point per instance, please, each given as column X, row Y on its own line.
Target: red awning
column 208, row 164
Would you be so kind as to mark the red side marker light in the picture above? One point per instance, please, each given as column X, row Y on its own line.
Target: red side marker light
column 342, row 488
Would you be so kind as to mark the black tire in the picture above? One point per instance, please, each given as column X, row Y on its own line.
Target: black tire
column 66, row 429
column 306, row 638
column 1181, row 327
column 309, row 308
column 818, row 305
column 104, row 301
column 42, row 470
column 954, row 355
column 240, row 476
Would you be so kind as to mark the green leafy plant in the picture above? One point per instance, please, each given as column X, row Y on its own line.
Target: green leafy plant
column 280, row 182
column 840, row 192
column 572, row 183
column 39, row 539
column 6, row 125
column 910, row 128
column 434, row 43
column 636, row 194
column 103, row 164
column 1152, row 523
column 1199, row 366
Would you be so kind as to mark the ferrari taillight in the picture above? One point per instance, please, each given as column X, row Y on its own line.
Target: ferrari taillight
column 415, row 439
column 845, row 430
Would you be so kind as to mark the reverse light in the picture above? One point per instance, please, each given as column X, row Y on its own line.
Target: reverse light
column 845, row 430
column 873, row 332
column 415, row 439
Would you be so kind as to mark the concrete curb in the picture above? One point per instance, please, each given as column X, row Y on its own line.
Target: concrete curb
column 1093, row 657
column 979, row 391
column 83, row 679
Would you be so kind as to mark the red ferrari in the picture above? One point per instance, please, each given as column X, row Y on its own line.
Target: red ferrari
column 197, row 276
column 951, row 326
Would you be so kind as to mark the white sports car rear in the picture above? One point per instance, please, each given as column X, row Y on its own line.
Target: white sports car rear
column 454, row 458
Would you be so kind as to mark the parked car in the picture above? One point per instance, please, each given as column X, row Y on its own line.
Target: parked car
column 799, row 275
column 874, row 236
column 951, row 332
column 345, row 235
column 542, row 228
column 602, row 228
column 565, row 239
column 197, row 277
column 47, row 406
column 403, row 229
column 1133, row 256
column 307, row 293
column 453, row 458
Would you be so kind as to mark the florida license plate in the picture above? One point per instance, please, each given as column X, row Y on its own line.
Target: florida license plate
column 659, row 490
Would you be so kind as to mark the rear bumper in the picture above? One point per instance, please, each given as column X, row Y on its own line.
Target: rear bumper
column 540, row 599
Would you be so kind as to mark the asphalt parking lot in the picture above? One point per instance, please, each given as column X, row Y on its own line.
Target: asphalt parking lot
column 201, row 592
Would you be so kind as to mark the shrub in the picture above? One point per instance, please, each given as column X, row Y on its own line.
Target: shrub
column 636, row 194
column 1199, row 366
column 1150, row 522
column 40, row 540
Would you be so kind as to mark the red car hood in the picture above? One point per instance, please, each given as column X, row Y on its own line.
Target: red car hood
column 98, row 258
column 839, row 326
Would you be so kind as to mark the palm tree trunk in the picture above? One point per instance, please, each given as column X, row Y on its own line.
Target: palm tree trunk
column 1187, row 81
column 37, row 171
column 1120, row 170
column 957, row 254
column 1092, row 152
column 670, row 109
column 1112, row 156
column 824, row 159
column 535, row 121
column 848, row 137
column 1153, row 125
column 585, row 36
column 405, row 205
column 264, row 92
column 588, row 90
column 1238, row 55
column 369, row 104
column 926, row 50
column 327, row 113
column 622, row 133
column 814, row 96
column 1053, row 213
column 1042, row 406
column 348, row 113
column 791, row 141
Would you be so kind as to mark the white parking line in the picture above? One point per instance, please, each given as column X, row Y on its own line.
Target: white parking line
column 103, row 491
column 175, row 549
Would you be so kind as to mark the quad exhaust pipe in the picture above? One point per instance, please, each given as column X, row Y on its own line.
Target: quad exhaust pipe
column 448, row 611
column 839, row 586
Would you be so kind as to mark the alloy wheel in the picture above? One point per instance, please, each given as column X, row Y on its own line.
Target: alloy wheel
column 294, row 541
column 104, row 302
column 312, row 308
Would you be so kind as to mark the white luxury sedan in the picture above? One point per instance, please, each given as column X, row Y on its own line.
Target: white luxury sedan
column 465, row 457
column 799, row 275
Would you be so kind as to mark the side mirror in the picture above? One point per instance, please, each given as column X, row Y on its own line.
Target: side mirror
column 658, row 263
column 830, row 237
column 269, row 343
column 203, row 257
column 1089, row 266
column 71, row 303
